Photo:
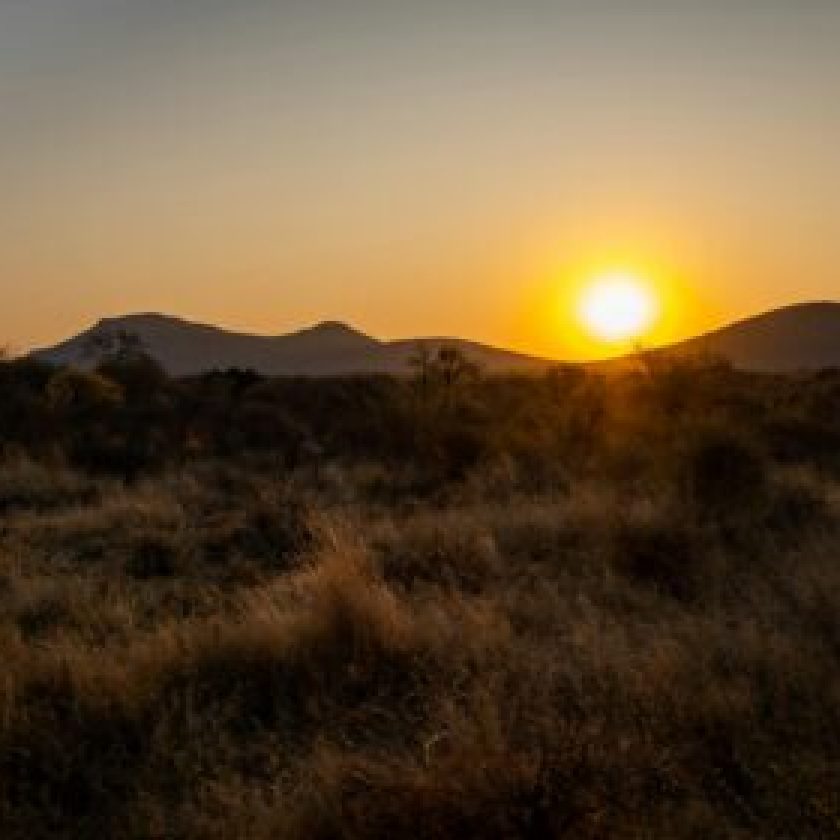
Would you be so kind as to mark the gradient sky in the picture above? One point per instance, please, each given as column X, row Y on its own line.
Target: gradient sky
column 414, row 167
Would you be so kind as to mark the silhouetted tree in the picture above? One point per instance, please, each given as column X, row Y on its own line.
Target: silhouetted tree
column 421, row 361
column 454, row 368
column 103, row 344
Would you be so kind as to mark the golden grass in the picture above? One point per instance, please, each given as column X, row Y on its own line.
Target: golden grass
column 611, row 661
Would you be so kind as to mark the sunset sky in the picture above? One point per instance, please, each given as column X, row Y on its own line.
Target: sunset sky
column 415, row 168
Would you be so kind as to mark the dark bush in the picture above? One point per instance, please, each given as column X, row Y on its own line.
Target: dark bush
column 721, row 472
column 661, row 554
column 153, row 557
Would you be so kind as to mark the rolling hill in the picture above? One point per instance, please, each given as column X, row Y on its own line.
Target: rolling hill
column 799, row 337
column 327, row 349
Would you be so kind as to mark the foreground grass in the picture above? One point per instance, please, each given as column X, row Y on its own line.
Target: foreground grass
column 226, row 652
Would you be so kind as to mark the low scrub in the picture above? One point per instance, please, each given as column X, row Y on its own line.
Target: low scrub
column 574, row 606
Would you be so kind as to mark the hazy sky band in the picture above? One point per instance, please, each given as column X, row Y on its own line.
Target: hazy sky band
column 415, row 168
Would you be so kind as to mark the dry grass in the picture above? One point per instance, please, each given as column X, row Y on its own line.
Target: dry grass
column 225, row 653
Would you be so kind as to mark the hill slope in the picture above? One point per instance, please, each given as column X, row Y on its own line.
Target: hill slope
column 329, row 348
column 799, row 337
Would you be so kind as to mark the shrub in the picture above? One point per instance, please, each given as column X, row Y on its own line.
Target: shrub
column 156, row 555
column 31, row 485
column 721, row 473
column 452, row 551
column 659, row 551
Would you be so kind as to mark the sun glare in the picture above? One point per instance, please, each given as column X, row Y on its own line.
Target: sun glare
column 618, row 307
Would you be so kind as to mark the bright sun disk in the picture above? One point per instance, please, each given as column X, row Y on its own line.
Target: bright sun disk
column 617, row 307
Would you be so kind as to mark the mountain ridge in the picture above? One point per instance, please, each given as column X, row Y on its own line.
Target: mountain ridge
column 798, row 336
column 326, row 348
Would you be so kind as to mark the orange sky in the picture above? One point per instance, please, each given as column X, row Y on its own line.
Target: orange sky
column 438, row 168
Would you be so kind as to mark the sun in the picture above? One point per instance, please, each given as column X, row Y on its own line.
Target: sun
column 618, row 307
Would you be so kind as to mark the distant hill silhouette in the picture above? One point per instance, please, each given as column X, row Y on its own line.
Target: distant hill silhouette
column 329, row 348
column 799, row 337
column 803, row 336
